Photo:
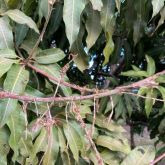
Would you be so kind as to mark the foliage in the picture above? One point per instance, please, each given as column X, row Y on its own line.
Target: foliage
column 52, row 110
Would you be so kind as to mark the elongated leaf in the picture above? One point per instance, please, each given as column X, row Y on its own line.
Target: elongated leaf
column 50, row 56
column 118, row 4
column 6, row 35
column 108, row 23
column 19, row 17
column 162, row 18
column 133, row 73
column 93, row 27
column 97, row 4
column 3, row 6
column 101, row 121
column 141, row 155
column 54, row 70
column 73, row 140
column 161, row 79
column 114, row 144
column 8, row 53
column 71, row 15
column 15, row 82
column 157, row 5
column 4, row 146
column 16, row 124
column 150, row 66
column 52, row 149
column 162, row 91
column 5, row 65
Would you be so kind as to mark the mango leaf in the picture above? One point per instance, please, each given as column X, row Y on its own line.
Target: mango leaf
column 161, row 79
column 52, row 149
column 108, row 23
column 4, row 146
column 110, row 157
column 43, row 9
column 20, row 33
column 49, row 56
column 162, row 18
column 54, row 70
column 97, row 4
column 149, row 102
column 73, row 140
column 13, row 3
column 132, row 73
column 161, row 127
column 118, row 5
column 15, row 82
column 19, row 17
column 114, row 144
column 141, row 155
column 157, row 5
column 71, row 15
column 142, row 91
column 17, row 125
column 93, row 27
column 6, row 35
column 102, row 122
column 5, row 65
column 162, row 91
column 8, row 53
column 150, row 66
column 93, row 158
column 40, row 144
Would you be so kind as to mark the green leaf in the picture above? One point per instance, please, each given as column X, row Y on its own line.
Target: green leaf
column 19, row 17
column 4, row 146
column 17, row 125
column 141, row 155
column 54, row 70
column 114, row 144
column 150, row 65
column 5, row 65
column 71, row 15
column 8, row 53
column 162, row 91
column 97, row 4
column 73, row 140
column 108, row 24
column 39, row 145
column 118, row 5
column 162, row 18
column 13, row 3
column 15, row 82
column 6, row 35
column 161, row 79
column 157, row 5
column 142, row 91
column 102, row 122
column 49, row 56
column 93, row 26
column 52, row 150
column 132, row 73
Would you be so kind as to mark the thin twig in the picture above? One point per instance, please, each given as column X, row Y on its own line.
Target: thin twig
column 158, row 159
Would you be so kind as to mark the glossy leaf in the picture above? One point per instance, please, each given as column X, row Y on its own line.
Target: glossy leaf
column 93, row 27
column 73, row 140
column 97, row 4
column 102, row 122
column 114, row 144
column 150, row 65
column 49, row 56
column 17, row 125
column 6, row 35
column 141, row 155
column 157, row 5
column 15, row 82
column 108, row 23
column 54, row 70
column 4, row 146
column 52, row 149
column 71, row 15
column 19, row 17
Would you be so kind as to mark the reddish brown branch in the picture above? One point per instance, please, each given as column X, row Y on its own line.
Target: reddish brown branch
column 148, row 82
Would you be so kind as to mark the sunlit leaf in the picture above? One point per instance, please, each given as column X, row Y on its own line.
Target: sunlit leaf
column 132, row 73
column 113, row 144
column 150, row 65
column 93, row 27
column 97, row 4
column 8, row 53
column 15, row 82
column 19, row 17
column 141, row 155
column 157, row 5
column 49, row 56
column 118, row 5
column 6, row 35
column 71, row 15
